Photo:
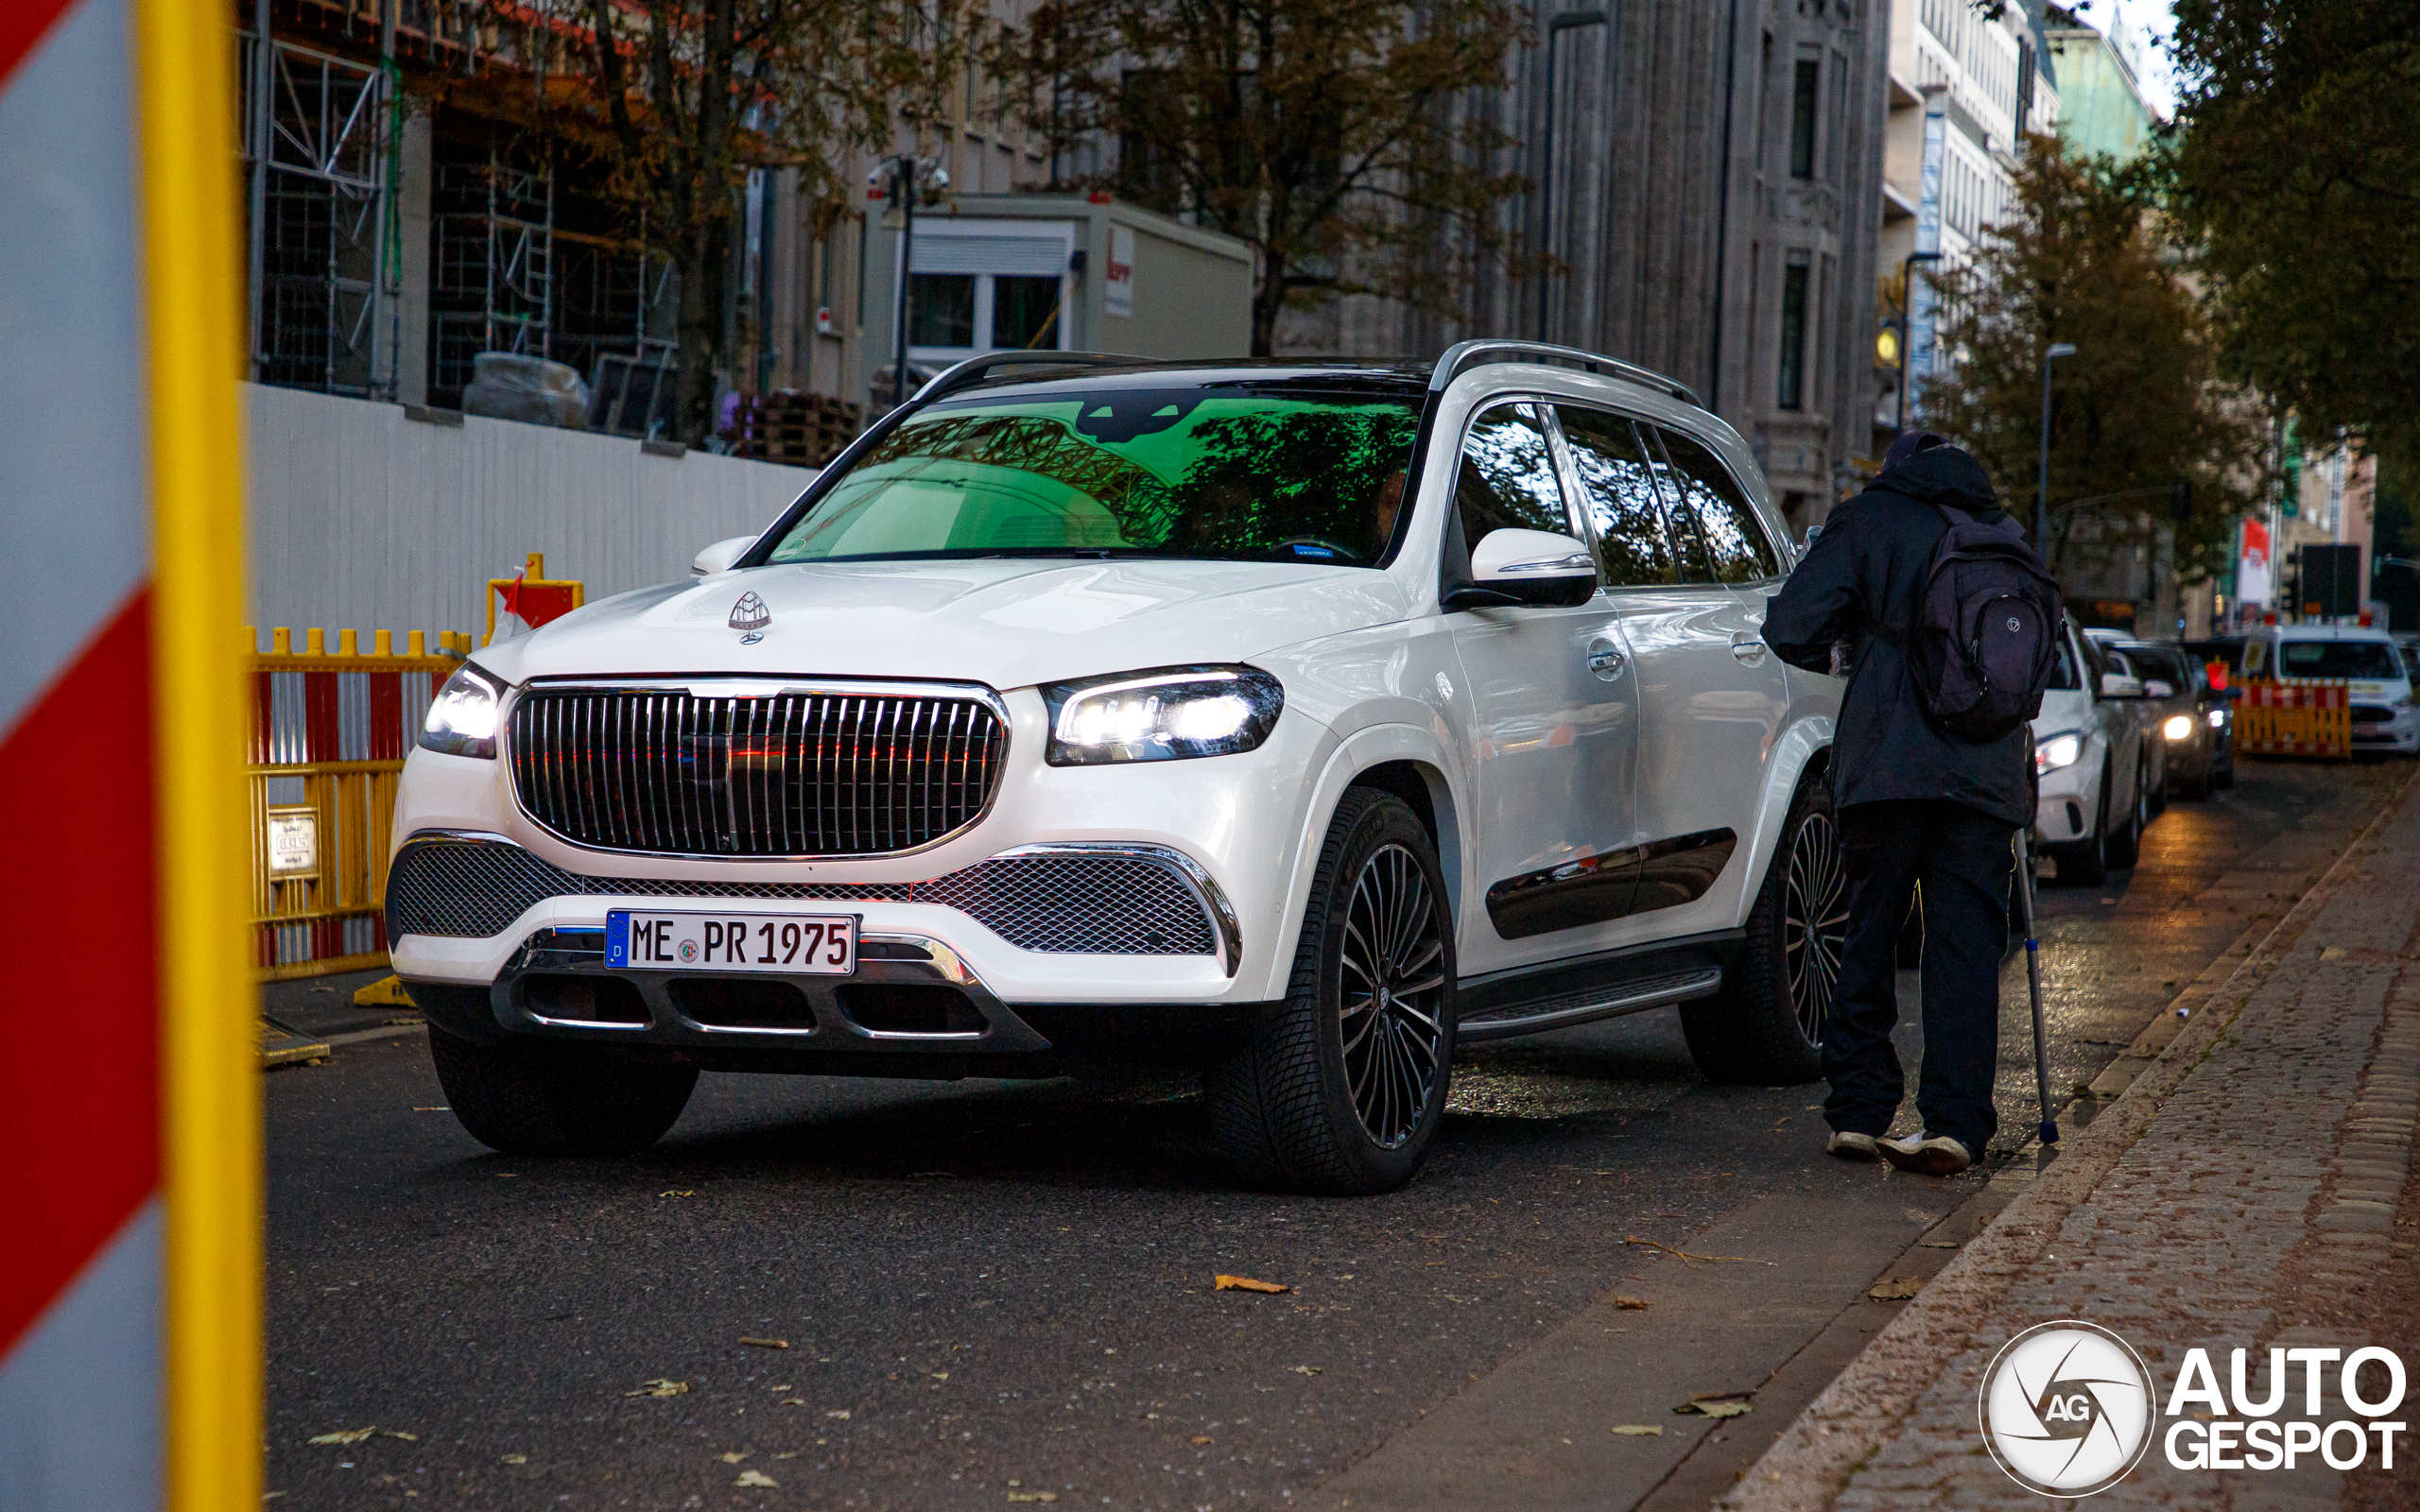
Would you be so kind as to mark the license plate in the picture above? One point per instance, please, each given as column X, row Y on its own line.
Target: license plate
column 785, row 944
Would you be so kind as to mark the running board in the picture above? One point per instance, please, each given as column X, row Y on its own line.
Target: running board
column 1598, row 1003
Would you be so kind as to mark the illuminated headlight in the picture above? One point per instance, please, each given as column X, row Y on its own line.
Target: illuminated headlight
column 2179, row 726
column 462, row 720
column 1162, row 715
column 2057, row 752
column 2218, row 719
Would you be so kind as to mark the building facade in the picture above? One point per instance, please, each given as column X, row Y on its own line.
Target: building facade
column 2102, row 108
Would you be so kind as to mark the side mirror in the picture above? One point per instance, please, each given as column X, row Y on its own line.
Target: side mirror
column 2119, row 685
column 2154, row 688
column 719, row 556
column 1537, row 568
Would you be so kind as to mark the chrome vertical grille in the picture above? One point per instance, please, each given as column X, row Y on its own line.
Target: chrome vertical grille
column 674, row 772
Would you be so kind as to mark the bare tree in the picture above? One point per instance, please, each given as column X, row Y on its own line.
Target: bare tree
column 1337, row 138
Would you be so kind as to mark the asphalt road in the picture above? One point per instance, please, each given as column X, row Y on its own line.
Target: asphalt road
column 995, row 1292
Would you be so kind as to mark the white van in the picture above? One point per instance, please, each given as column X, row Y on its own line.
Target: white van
column 2384, row 715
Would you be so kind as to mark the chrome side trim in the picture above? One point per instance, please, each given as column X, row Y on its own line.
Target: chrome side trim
column 1637, row 997
column 1197, row 879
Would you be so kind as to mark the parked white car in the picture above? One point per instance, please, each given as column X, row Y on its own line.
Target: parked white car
column 1296, row 722
column 2095, row 785
column 2365, row 661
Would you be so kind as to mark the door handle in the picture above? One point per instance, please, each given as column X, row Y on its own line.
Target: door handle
column 1606, row 660
column 1748, row 649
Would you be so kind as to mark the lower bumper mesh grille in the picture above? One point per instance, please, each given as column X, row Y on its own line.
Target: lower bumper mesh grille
column 1057, row 904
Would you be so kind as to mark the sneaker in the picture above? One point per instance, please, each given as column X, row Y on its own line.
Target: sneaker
column 1851, row 1145
column 1926, row 1154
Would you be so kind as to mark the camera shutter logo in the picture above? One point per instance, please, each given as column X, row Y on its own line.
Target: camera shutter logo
column 750, row 616
column 2067, row 1408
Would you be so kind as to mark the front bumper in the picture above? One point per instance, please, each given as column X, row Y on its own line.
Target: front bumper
column 2069, row 798
column 2400, row 734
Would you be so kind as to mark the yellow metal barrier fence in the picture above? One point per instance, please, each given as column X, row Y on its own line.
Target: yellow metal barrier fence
column 329, row 734
column 2294, row 719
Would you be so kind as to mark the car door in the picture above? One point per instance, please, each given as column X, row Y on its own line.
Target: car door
column 1711, row 696
column 1555, row 742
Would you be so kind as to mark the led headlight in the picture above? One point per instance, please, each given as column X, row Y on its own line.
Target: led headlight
column 2057, row 752
column 1162, row 715
column 2179, row 726
column 462, row 720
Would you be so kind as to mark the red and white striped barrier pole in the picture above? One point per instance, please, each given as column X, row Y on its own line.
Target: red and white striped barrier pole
column 131, row 1284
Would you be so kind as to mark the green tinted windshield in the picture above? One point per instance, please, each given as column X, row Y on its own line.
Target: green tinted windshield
column 1226, row 471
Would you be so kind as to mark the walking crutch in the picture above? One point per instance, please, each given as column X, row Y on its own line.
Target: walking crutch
column 2048, row 1128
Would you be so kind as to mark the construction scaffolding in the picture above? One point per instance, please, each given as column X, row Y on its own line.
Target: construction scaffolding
column 320, row 147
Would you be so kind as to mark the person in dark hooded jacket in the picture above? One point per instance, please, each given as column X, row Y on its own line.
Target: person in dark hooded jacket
column 1914, row 802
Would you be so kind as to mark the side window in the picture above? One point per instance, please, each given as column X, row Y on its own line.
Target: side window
column 1736, row 546
column 1617, row 491
column 1507, row 480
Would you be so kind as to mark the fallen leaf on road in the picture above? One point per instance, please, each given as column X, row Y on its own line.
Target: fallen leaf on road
column 417, row 1109
column 1639, row 1430
column 397, row 1433
column 1631, row 1304
column 1717, row 1404
column 345, row 1436
column 784, row 1387
column 1033, row 1496
column 735, row 1456
column 1198, row 1440
column 793, row 1402
column 765, row 1344
column 1306, row 1369
column 1895, row 1289
column 658, row 1388
column 1245, row 1283
column 841, row 1413
column 941, row 1375
column 1684, row 1255
column 757, row 1478
column 2334, row 953
column 676, row 1193
column 517, row 1459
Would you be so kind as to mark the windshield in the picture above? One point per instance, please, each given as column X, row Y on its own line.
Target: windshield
column 2337, row 659
column 1298, row 471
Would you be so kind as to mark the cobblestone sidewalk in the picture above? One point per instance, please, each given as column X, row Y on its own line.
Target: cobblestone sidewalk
column 2243, row 1192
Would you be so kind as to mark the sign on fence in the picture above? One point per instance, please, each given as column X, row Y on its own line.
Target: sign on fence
column 2294, row 719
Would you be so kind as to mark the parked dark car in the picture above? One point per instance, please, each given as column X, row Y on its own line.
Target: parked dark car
column 2197, row 725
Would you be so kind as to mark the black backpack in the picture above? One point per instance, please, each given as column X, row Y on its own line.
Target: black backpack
column 1986, row 641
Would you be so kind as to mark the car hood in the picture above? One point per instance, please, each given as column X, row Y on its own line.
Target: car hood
column 1006, row 622
column 2064, row 709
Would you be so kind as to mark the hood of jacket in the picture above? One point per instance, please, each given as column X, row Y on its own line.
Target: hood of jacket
column 1945, row 474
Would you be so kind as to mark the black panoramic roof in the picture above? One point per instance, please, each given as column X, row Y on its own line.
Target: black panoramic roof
column 1309, row 376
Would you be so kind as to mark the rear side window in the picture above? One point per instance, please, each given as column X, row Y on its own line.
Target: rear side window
column 1736, row 550
column 1617, row 491
column 1507, row 480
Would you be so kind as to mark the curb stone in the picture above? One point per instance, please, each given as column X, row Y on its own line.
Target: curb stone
column 1852, row 1419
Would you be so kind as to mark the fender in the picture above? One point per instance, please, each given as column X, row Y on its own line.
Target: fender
column 1373, row 745
column 1801, row 741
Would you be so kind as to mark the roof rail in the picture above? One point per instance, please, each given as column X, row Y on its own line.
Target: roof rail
column 974, row 370
column 1462, row 356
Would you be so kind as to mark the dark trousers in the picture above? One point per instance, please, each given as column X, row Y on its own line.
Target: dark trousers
column 1964, row 859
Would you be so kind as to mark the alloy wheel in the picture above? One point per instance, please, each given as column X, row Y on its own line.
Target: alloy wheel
column 1815, row 922
column 1393, row 998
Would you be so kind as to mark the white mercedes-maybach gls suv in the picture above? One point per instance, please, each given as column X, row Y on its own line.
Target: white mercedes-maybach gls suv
column 1294, row 722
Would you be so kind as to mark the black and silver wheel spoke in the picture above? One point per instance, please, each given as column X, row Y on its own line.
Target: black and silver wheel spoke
column 1394, row 984
column 1814, row 922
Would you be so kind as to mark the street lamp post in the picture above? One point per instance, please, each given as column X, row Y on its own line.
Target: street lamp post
column 2042, row 501
column 903, row 171
column 1907, row 324
column 1555, row 28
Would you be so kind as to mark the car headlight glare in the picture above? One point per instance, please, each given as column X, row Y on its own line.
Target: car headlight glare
column 2057, row 752
column 2218, row 719
column 2179, row 726
column 1167, row 714
column 463, row 721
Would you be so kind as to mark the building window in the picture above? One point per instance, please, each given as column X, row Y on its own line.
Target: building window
column 941, row 310
column 1792, row 392
column 1025, row 312
column 2024, row 87
column 1802, row 119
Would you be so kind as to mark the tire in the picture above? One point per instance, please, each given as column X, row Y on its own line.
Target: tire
column 546, row 1099
column 1340, row 1093
column 1765, row 1028
column 2085, row 864
column 2126, row 846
